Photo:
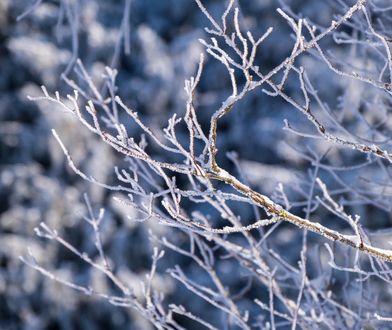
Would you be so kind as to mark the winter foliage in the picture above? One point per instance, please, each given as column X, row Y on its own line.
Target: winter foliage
column 196, row 164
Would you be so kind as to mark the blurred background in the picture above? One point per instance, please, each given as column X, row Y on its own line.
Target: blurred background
column 37, row 185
